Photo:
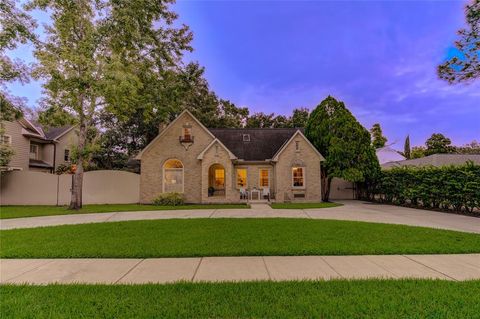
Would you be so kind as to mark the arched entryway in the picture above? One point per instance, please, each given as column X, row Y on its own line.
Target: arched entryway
column 216, row 180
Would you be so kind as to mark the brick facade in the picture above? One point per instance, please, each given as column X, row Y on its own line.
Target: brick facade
column 196, row 171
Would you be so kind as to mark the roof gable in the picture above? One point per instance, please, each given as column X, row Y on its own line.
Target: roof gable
column 216, row 140
column 172, row 123
column 297, row 133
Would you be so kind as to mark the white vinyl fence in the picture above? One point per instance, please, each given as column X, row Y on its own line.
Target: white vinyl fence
column 38, row 188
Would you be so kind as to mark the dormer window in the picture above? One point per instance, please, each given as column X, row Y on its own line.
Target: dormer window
column 246, row 137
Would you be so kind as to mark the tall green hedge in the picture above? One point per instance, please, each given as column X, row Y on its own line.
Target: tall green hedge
column 449, row 187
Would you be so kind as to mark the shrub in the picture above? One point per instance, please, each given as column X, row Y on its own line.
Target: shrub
column 63, row 169
column 169, row 199
column 449, row 187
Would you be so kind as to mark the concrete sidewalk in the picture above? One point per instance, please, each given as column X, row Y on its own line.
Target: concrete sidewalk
column 277, row 268
column 351, row 210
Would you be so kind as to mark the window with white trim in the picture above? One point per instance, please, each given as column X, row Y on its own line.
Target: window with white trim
column 241, row 177
column 33, row 151
column 298, row 177
column 173, row 176
column 264, row 180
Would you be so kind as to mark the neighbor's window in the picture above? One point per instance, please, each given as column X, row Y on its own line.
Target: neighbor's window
column 264, row 181
column 33, row 151
column 241, row 177
column 298, row 176
column 219, row 178
column 173, row 176
column 6, row 139
column 297, row 145
column 66, row 155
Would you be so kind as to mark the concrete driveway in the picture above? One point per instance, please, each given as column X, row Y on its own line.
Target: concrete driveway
column 378, row 213
column 351, row 210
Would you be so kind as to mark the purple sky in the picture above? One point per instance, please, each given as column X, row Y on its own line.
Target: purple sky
column 379, row 57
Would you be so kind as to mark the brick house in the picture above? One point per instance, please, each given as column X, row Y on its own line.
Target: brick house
column 229, row 165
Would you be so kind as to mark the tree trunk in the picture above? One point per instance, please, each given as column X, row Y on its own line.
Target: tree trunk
column 76, row 200
column 326, row 182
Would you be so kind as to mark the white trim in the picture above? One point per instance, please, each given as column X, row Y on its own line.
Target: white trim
column 304, row 176
column 236, row 177
column 163, row 174
column 32, row 126
column 260, row 177
column 298, row 132
column 139, row 156
column 230, row 154
column 30, row 134
column 30, row 151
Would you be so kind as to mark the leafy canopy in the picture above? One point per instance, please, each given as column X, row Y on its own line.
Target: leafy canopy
column 465, row 65
column 343, row 141
column 16, row 28
column 438, row 144
column 378, row 140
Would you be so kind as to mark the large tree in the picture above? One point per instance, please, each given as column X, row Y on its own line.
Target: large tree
column 260, row 120
column 438, row 144
column 182, row 88
column 344, row 143
column 378, row 140
column 106, row 56
column 464, row 65
column 299, row 117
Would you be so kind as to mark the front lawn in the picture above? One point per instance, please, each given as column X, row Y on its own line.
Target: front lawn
column 230, row 237
column 38, row 210
column 324, row 299
column 304, row 205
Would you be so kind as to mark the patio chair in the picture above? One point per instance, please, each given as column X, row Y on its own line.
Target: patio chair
column 266, row 193
column 243, row 193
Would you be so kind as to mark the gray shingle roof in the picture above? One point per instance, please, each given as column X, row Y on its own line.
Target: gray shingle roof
column 263, row 144
column 436, row 160
column 39, row 163
column 54, row 132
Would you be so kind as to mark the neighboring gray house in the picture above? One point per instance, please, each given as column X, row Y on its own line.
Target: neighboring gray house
column 437, row 160
column 37, row 148
column 387, row 154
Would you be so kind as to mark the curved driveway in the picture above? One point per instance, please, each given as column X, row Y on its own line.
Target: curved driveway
column 351, row 210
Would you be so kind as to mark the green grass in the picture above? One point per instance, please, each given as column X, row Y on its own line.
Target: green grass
column 330, row 299
column 303, row 205
column 230, row 237
column 38, row 210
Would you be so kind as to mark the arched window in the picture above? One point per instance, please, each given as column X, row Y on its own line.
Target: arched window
column 173, row 176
